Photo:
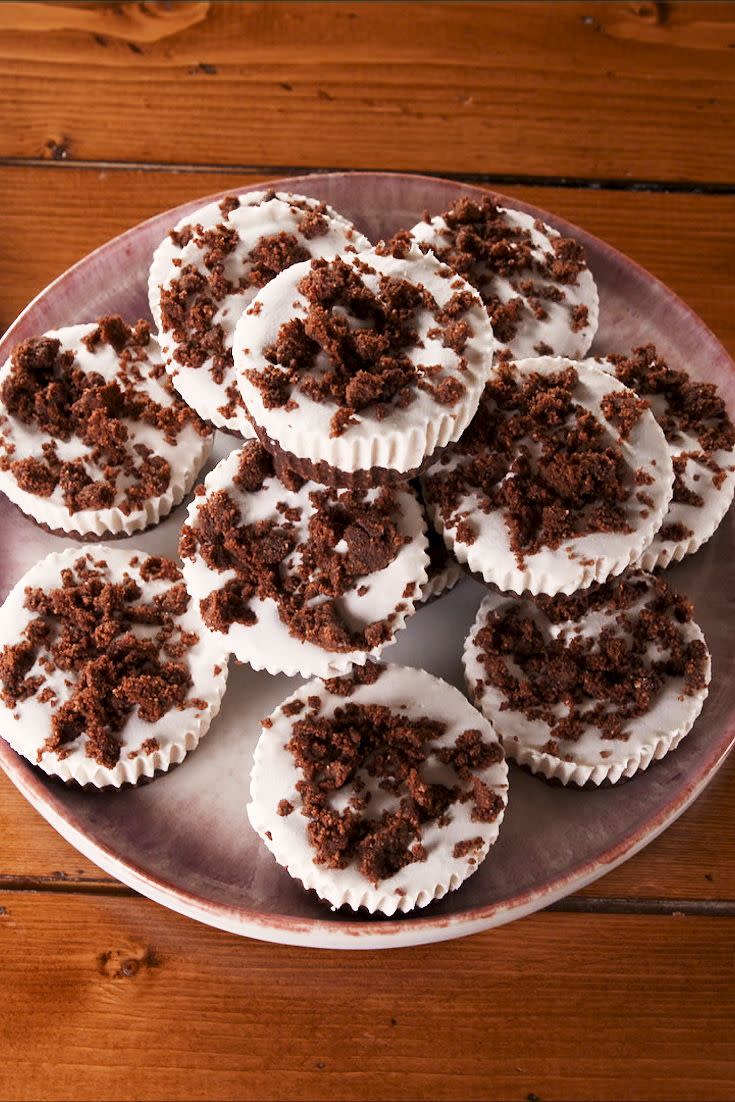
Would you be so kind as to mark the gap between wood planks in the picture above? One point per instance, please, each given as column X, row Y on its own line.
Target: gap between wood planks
column 61, row 883
column 679, row 187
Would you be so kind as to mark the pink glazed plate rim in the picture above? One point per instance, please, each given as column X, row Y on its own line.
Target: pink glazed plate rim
column 355, row 934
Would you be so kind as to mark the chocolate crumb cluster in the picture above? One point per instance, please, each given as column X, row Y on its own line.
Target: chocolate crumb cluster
column 361, row 746
column 351, row 349
column 190, row 303
column 481, row 243
column 605, row 680
column 119, row 653
column 685, row 408
column 292, row 560
column 48, row 390
column 546, row 461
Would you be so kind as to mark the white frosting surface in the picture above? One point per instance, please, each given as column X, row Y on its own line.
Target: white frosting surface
column 186, row 457
column 555, row 330
column 403, row 439
column 28, row 725
column 274, row 777
column 253, row 219
column 593, row 758
column 267, row 644
column 577, row 562
column 701, row 520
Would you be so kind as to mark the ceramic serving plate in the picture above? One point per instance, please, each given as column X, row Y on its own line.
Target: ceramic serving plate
column 185, row 840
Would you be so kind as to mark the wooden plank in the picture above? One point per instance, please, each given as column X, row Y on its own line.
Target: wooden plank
column 52, row 216
column 31, row 851
column 128, row 22
column 453, row 87
column 115, row 998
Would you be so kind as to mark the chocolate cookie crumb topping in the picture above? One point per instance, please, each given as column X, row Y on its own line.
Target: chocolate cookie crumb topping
column 674, row 533
column 467, row 846
column 48, row 390
column 86, row 628
column 338, row 754
column 482, row 243
column 571, row 680
column 361, row 675
column 541, row 458
column 361, row 367
column 623, row 410
column 304, row 575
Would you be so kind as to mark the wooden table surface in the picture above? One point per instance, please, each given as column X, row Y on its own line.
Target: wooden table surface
column 619, row 116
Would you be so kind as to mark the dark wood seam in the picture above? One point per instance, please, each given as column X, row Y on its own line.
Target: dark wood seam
column 63, row 884
column 678, row 187
column 575, row 904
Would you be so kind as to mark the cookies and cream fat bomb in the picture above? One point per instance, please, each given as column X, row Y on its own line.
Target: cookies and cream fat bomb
column 383, row 790
column 561, row 480
column 701, row 439
column 355, row 371
column 106, row 673
column 539, row 293
column 94, row 441
column 295, row 577
column 209, row 268
column 591, row 688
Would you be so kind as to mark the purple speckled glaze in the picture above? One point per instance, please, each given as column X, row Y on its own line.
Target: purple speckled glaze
column 185, row 840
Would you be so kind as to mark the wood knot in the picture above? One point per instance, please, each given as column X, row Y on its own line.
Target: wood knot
column 58, row 149
column 121, row 964
column 650, row 11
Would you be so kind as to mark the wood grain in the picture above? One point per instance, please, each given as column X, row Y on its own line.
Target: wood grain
column 622, row 90
column 52, row 216
column 132, row 1002
column 149, row 22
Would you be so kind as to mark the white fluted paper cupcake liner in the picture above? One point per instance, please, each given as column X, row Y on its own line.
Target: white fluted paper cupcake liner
column 442, row 582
